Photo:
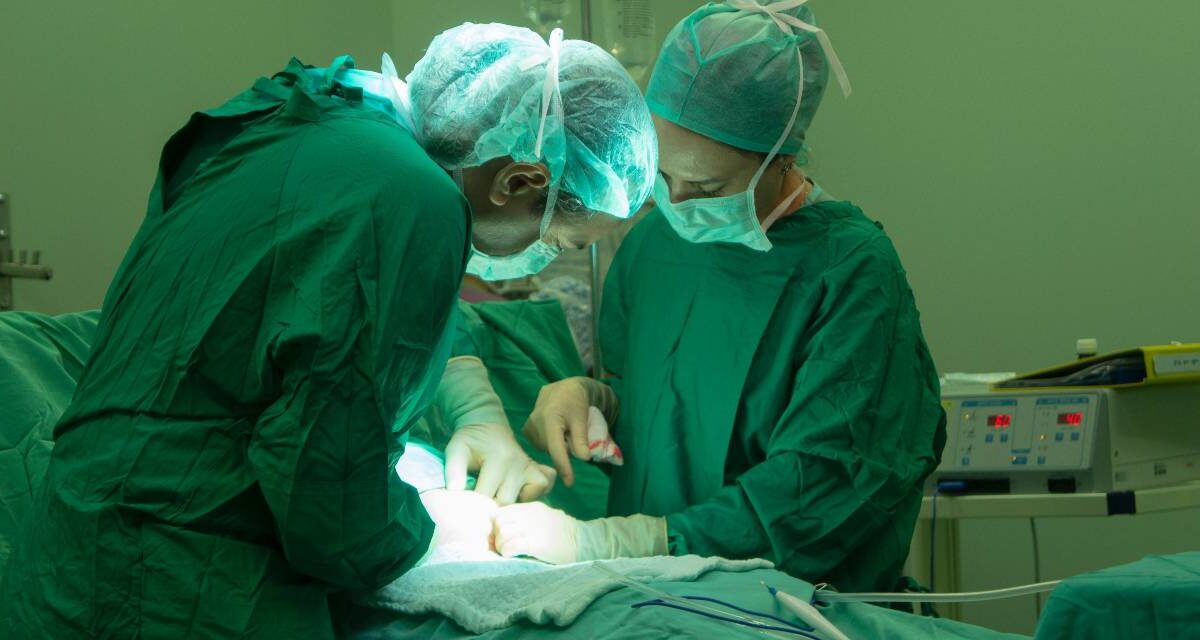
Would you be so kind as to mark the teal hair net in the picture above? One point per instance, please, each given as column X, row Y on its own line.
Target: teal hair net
column 478, row 94
column 730, row 72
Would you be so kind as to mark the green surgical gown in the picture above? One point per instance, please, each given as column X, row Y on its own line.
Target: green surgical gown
column 780, row 404
column 41, row 358
column 225, row 468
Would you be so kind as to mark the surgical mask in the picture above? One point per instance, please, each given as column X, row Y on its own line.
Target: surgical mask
column 732, row 218
column 528, row 262
column 537, row 256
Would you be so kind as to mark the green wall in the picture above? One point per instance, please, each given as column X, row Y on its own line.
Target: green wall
column 1034, row 160
column 92, row 90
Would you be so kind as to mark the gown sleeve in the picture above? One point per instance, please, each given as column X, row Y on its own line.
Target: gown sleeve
column 362, row 296
column 854, row 442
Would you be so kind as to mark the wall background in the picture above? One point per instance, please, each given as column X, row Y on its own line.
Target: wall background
column 1034, row 161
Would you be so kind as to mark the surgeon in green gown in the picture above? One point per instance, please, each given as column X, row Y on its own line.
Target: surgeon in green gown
column 771, row 387
column 226, row 468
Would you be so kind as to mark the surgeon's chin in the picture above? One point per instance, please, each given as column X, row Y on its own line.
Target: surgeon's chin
column 499, row 242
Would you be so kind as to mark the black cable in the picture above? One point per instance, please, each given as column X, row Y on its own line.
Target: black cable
column 751, row 612
column 763, row 627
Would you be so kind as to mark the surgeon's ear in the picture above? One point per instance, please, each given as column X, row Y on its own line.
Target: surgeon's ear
column 518, row 179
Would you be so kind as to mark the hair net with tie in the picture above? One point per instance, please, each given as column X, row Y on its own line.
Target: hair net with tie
column 484, row 91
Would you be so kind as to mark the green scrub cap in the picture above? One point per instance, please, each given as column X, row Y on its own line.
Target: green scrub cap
column 733, row 72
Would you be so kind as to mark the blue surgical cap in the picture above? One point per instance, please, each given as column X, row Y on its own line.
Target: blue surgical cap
column 478, row 93
column 733, row 75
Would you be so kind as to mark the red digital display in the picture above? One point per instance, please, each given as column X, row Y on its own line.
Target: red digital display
column 1000, row 421
column 1071, row 419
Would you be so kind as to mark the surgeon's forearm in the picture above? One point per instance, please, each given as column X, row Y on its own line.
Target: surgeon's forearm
column 350, row 544
column 725, row 525
column 465, row 395
column 806, row 522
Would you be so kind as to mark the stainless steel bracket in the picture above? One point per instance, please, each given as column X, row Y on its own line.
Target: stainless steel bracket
column 15, row 264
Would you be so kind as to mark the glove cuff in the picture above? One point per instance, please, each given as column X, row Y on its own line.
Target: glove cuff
column 465, row 395
column 636, row 536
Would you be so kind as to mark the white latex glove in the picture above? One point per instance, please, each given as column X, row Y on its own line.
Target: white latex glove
column 483, row 441
column 559, row 422
column 463, row 520
column 421, row 468
column 551, row 535
column 538, row 531
column 505, row 471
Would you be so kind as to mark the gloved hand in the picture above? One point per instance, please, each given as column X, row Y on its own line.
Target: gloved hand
column 559, row 422
column 551, row 535
column 463, row 520
column 505, row 471
column 483, row 440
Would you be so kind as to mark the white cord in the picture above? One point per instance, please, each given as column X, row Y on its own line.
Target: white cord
column 809, row 614
column 966, row 596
